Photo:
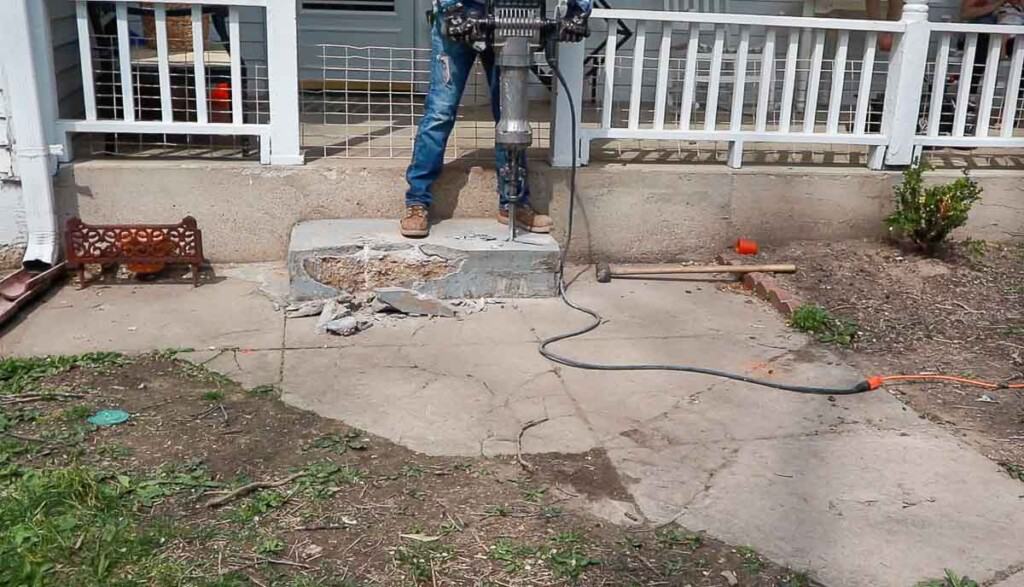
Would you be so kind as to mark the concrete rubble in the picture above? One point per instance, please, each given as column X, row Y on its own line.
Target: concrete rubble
column 348, row 314
column 410, row 302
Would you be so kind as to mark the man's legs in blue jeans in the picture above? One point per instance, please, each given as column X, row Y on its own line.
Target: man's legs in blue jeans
column 451, row 63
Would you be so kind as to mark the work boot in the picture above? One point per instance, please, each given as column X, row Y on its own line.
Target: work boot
column 416, row 222
column 527, row 219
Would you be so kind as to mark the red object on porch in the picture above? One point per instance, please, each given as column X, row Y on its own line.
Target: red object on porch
column 220, row 102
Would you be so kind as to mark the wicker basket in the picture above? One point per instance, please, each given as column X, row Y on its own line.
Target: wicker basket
column 179, row 29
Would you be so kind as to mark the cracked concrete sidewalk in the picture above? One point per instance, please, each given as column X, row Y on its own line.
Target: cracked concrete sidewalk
column 856, row 490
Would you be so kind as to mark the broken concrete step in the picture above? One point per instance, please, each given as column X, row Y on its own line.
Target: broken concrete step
column 462, row 258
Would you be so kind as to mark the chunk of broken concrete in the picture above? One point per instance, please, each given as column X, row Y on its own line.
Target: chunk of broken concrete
column 316, row 307
column 332, row 311
column 305, row 309
column 411, row 302
column 347, row 326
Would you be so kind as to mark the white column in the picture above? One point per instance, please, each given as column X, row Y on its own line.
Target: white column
column 905, row 84
column 571, row 61
column 283, row 71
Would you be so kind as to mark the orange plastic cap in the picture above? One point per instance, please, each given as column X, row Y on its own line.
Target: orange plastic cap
column 746, row 247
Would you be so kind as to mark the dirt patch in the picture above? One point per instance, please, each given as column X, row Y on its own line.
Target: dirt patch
column 354, row 510
column 962, row 314
column 358, row 273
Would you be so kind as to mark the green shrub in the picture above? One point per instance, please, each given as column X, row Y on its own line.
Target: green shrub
column 927, row 214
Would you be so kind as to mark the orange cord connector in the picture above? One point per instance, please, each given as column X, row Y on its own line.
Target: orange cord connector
column 879, row 380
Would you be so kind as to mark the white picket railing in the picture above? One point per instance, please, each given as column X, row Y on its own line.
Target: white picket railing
column 683, row 76
column 838, row 87
column 980, row 94
column 278, row 136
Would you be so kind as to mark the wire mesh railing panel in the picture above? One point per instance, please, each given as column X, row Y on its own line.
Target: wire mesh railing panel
column 366, row 103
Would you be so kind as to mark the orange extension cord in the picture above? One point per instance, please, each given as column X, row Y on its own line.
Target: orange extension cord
column 880, row 380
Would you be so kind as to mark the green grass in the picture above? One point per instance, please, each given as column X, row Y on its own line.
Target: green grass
column 340, row 443
column 213, row 396
column 257, row 506
column 951, row 579
column 71, row 526
column 818, row 321
column 752, row 562
column 1014, row 470
column 20, row 375
column 420, row 559
column 673, row 537
column 513, row 555
column 567, row 556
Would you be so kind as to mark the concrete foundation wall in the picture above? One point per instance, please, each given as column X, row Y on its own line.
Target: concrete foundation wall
column 625, row 212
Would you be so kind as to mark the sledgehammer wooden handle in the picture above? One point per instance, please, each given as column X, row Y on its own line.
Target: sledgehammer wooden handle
column 605, row 271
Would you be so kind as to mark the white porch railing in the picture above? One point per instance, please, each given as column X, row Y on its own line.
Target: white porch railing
column 732, row 92
column 682, row 76
column 979, row 95
column 278, row 136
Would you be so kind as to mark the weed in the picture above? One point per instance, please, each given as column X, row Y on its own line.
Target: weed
column 113, row 451
column 412, row 471
column 950, row 580
column 796, row 580
column 213, row 396
column 419, row 559
column 18, row 375
column 976, row 249
column 1014, row 470
column 567, row 556
column 551, row 512
column 269, row 545
column 514, row 556
column 673, row 537
column 534, row 494
column 171, row 479
column 752, row 562
column 826, row 327
column 498, row 510
column 264, row 391
column 322, row 479
column 927, row 214
column 340, row 443
column 76, row 413
column 258, row 505
column 673, row 567
column 169, row 354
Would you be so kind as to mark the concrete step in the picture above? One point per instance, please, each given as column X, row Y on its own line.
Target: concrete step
column 462, row 258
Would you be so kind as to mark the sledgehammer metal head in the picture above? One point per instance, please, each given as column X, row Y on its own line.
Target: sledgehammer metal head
column 604, row 273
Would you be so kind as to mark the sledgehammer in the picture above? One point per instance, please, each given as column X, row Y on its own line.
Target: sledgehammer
column 606, row 271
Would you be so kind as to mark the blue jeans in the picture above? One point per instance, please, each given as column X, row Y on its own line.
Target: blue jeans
column 450, row 67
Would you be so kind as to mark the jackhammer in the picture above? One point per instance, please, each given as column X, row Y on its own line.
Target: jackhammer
column 515, row 29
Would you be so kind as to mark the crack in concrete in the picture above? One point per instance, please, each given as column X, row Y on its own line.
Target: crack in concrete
column 1004, row 574
column 729, row 460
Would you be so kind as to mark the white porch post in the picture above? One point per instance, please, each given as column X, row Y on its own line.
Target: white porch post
column 571, row 62
column 283, row 74
column 904, row 87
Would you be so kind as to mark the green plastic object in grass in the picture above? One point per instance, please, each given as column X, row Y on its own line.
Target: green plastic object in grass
column 109, row 418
